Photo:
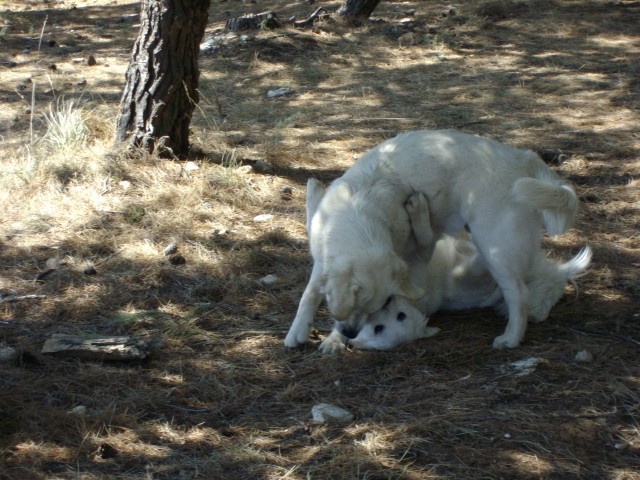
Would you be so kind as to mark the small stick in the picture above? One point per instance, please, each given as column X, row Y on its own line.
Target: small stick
column 44, row 24
column 17, row 298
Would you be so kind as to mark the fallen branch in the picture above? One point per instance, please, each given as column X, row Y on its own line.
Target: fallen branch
column 99, row 348
column 309, row 21
column 253, row 22
column 18, row 298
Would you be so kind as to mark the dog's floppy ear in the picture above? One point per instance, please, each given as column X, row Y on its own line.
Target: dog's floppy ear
column 340, row 292
column 407, row 288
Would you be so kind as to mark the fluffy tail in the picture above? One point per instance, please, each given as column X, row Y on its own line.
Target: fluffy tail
column 315, row 192
column 548, row 281
column 577, row 266
column 546, row 192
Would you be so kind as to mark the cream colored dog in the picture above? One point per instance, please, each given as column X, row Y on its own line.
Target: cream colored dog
column 360, row 231
column 458, row 282
column 455, row 278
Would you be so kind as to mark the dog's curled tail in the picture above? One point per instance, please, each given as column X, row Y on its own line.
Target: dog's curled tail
column 315, row 192
column 577, row 266
column 548, row 280
column 557, row 202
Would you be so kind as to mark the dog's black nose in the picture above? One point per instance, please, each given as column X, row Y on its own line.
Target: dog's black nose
column 350, row 333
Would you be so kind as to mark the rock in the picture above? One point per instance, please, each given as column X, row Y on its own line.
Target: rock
column 286, row 192
column 245, row 169
column 265, row 217
column 325, row 412
column 177, row 260
column 170, row 249
column 407, row 39
column 583, row 356
column 80, row 410
column 91, row 61
column 269, row 281
column 279, row 92
column 8, row 354
column 53, row 263
column 260, row 166
column 191, row 167
column 91, row 270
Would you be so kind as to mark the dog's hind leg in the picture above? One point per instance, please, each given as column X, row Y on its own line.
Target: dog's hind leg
column 507, row 243
column 309, row 303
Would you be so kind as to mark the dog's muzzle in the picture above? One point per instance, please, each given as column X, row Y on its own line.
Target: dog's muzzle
column 349, row 332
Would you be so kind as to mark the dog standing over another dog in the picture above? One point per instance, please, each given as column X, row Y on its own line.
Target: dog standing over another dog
column 455, row 278
column 360, row 233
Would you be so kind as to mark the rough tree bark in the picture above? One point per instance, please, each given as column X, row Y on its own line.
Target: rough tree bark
column 358, row 8
column 161, row 82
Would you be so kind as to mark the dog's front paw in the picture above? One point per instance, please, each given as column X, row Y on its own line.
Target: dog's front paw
column 331, row 345
column 417, row 205
column 296, row 337
column 505, row 341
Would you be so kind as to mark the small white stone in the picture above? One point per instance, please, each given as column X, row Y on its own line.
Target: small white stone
column 278, row 92
column 124, row 184
column 245, row 169
column 507, row 435
column 325, row 412
column 584, row 356
column 265, row 217
column 53, row 263
column 80, row 410
column 269, row 280
column 191, row 167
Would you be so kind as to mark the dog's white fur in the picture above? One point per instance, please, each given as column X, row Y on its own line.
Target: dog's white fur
column 458, row 284
column 455, row 278
column 360, row 233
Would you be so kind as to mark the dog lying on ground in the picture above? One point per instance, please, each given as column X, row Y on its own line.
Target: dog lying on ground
column 360, row 232
column 455, row 278
column 403, row 320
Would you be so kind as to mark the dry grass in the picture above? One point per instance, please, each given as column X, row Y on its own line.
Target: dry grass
column 220, row 397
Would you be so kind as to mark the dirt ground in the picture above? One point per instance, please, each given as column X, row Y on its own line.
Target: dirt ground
column 219, row 396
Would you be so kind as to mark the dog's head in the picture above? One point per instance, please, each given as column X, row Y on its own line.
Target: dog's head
column 398, row 322
column 357, row 287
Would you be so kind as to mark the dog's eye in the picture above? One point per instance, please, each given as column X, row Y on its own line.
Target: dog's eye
column 401, row 316
column 378, row 329
column 386, row 304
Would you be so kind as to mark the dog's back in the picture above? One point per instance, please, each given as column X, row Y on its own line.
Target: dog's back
column 479, row 172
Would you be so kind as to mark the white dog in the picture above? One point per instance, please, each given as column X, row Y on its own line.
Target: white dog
column 403, row 320
column 360, row 232
column 455, row 278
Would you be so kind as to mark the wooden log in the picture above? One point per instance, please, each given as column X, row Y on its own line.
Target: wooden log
column 253, row 22
column 98, row 348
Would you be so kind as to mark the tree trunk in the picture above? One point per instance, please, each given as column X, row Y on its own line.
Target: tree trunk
column 161, row 83
column 358, row 8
